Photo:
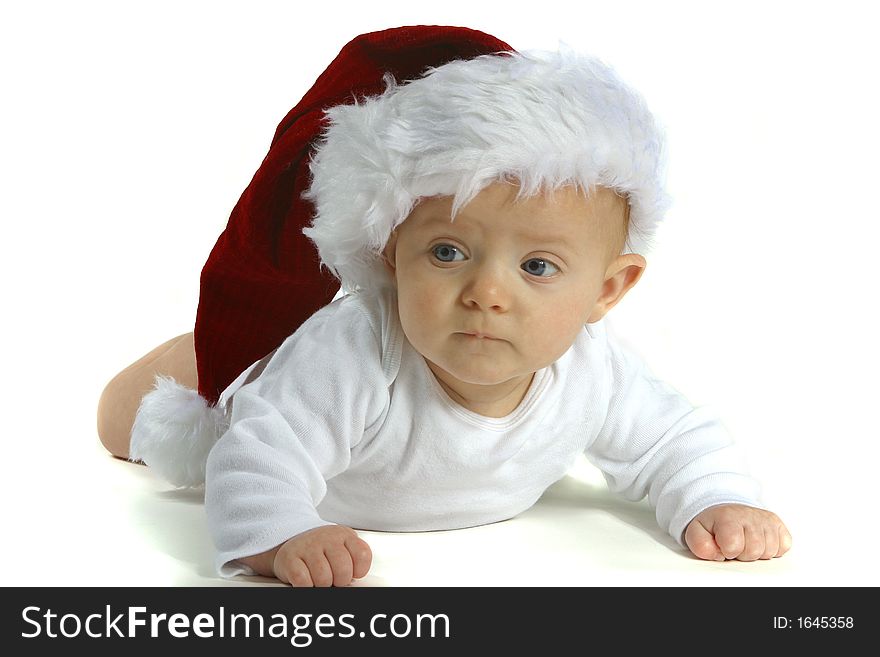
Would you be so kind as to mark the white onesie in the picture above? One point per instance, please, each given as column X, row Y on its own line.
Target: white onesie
column 346, row 424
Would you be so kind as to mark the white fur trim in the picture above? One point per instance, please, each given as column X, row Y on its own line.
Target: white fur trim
column 174, row 430
column 544, row 120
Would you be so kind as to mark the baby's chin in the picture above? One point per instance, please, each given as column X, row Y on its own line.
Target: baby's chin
column 479, row 372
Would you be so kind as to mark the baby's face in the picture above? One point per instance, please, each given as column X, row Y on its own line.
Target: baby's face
column 504, row 289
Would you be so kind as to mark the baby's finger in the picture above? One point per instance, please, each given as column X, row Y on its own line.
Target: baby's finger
column 754, row 543
column 784, row 540
column 293, row 571
column 730, row 538
column 340, row 563
column 361, row 556
column 319, row 568
column 771, row 542
column 701, row 542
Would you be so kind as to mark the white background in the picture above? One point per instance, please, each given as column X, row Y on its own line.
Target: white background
column 129, row 130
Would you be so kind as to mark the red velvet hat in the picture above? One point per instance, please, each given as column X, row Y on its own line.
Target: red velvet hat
column 263, row 279
column 399, row 115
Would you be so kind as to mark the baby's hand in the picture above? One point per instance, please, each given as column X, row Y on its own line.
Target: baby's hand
column 736, row 531
column 324, row 556
column 331, row 555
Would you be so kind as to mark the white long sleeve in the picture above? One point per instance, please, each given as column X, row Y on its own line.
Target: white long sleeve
column 290, row 430
column 348, row 425
column 654, row 442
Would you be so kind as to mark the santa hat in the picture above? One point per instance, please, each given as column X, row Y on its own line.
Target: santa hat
column 541, row 119
column 398, row 115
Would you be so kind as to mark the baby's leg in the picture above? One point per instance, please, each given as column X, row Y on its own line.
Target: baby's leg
column 122, row 396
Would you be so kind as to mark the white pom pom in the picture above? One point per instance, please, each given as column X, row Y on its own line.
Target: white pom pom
column 174, row 430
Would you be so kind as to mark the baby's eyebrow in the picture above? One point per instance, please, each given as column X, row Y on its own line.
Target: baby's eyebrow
column 438, row 220
column 544, row 240
column 551, row 240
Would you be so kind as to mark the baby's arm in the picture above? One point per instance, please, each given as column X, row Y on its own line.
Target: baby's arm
column 656, row 443
column 324, row 556
column 291, row 430
column 736, row 531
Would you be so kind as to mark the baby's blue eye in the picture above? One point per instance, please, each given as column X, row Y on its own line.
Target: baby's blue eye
column 447, row 253
column 539, row 267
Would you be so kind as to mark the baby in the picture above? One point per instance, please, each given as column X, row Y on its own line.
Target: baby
column 482, row 217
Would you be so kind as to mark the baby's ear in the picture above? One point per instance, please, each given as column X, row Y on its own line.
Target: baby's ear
column 389, row 254
column 620, row 277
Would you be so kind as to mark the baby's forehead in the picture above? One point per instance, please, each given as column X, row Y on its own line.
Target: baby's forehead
column 600, row 212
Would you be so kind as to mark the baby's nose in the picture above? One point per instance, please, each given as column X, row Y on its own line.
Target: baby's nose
column 488, row 289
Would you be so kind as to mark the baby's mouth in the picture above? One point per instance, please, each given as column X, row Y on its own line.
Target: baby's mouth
column 478, row 335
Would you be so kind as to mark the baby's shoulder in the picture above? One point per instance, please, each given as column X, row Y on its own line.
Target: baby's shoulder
column 360, row 326
column 589, row 349
column 602, row 354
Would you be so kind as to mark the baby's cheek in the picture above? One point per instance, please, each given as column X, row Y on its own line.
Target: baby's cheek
column 418, row 316
column 552, row 342
column 423, row 307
